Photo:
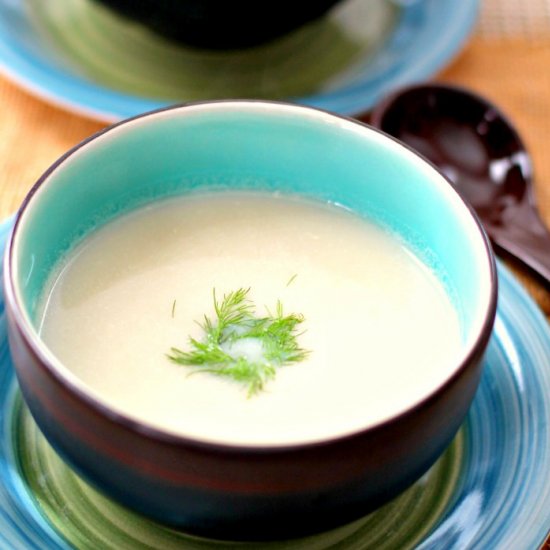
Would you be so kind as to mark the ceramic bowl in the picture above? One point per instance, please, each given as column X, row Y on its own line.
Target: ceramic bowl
column 235, row 491
column 213, row 24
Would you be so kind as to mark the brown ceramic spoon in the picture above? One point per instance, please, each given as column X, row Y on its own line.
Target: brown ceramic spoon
column 480, row 151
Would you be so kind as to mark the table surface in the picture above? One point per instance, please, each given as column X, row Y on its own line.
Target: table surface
column 507, row 60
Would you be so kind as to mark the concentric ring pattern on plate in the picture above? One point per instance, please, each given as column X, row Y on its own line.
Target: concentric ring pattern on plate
column 490, row 489
column 78, row 55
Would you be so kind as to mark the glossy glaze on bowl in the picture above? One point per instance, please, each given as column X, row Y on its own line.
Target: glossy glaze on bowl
column 229, row 491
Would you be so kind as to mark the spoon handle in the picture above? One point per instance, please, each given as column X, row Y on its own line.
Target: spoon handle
column 529, row 243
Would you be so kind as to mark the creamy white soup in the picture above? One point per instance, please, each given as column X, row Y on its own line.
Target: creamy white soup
column 379, row 326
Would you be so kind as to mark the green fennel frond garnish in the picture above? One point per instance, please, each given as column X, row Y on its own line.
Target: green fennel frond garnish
column 291, row 280
column 241, row 346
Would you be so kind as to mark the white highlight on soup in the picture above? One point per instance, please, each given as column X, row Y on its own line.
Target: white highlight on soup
column 381, row 329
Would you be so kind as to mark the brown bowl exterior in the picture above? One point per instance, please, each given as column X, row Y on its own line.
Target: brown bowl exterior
column 238, row 492
column 241, row 493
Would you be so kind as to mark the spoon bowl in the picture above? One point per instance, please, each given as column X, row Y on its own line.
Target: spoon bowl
column 477, row 147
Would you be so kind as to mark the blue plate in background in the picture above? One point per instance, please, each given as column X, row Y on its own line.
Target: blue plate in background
column 78, row 55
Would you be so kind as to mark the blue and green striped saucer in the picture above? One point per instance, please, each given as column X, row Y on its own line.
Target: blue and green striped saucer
column 81, row 56
column 490, row 489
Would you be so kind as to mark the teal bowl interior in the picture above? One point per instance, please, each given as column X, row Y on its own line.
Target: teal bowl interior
column 256, row 146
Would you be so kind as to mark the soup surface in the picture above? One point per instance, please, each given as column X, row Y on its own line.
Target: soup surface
column 379, row 326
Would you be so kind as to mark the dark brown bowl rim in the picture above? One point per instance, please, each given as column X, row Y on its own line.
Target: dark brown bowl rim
column 156, row 434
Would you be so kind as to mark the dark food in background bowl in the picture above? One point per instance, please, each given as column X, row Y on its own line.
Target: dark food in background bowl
column 215, row 24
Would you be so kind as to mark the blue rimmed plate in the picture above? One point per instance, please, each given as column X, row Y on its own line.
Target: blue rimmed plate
column 78, row 55
column 489, row 490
